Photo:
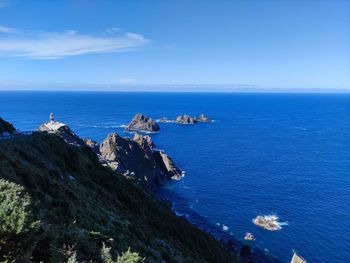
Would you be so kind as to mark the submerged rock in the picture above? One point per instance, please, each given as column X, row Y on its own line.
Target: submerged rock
column 185, row 119
column 165, row 120
column 142, row 123
column 249, row 236
column 202, row 118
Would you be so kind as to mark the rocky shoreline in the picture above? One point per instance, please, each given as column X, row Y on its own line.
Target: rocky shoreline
column 135, row 159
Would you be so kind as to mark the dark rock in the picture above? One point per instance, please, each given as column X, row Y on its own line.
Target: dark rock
column 142, row 123
column 137, row 159
column 144, row 140
column 185, row 119
column 95, row 147
column 167, row 165
column 6, row 127
column 203, row 118
column 132, row 159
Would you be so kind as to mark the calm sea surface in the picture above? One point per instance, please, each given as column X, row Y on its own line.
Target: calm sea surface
column 281, row 154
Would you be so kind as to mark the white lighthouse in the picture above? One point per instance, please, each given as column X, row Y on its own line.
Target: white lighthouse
column 52, row 118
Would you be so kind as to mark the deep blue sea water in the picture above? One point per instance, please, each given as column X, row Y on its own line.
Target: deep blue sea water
column 282, row 154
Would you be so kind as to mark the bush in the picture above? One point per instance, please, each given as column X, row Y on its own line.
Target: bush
column 17, row 224
column 129, row 257
column 126, row 257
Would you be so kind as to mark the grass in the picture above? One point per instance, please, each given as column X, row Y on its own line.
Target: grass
column 82, row 205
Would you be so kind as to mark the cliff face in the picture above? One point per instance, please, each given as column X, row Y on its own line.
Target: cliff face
column 137, row 159
column 63, row 131
column 6, row 127
column 75, row 204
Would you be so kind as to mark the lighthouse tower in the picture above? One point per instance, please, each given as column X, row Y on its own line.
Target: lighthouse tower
column 52, row 118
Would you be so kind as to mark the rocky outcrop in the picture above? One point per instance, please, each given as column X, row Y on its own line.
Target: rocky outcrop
column 130, row 158
column 185, row 119
column 144, row 141
column 6, row 128
column 95, row 147
column 142, row 123
column 62, row 130
column 202, row 118
column 167, row 165
column 138, row 159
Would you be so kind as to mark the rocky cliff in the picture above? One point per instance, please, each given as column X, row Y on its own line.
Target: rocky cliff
column 136, row 158
column 63, row 131
column 64, row 202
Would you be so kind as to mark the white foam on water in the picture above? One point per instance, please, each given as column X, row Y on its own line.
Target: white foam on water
column 274, row 220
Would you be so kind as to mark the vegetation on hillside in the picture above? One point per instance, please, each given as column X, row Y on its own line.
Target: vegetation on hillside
column 6, row 127
column 61, row 205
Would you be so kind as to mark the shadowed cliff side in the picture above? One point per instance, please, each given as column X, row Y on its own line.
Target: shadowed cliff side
column 6, row 127
column 77, row 203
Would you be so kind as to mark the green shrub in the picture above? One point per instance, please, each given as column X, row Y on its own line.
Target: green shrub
column 129, row 257
column 17, row 224
column 126, row 257
column 106, row 254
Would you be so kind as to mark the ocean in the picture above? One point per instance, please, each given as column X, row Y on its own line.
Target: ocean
column 264, row 154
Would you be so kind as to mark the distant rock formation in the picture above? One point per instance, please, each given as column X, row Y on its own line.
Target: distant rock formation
column 202, row 118
column 62, row 130
column 185, row 119
column 6, row 128
column 138, row 159
column 142, row 123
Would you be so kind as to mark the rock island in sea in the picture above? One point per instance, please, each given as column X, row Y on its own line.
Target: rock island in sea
column 269, row 222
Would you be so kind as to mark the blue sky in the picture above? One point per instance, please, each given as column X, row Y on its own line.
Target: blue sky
column 108, row 44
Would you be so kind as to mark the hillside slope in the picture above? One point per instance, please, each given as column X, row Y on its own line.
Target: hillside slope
column 77, row 204
column 6, row 127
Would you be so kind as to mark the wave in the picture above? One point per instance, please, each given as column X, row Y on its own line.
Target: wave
column 102, row 126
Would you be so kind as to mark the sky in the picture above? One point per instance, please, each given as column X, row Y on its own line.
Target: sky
column 175, row 44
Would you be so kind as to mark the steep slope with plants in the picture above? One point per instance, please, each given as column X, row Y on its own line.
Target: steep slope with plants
column 6, row 127
column 60, row 204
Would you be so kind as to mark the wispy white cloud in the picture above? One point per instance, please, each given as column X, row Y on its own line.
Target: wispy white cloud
column 57, row 45
column 4, row 29
column 127, row 81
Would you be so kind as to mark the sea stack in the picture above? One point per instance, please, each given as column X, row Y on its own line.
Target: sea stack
column 142, row 123
column 203, row 118
column 185, row 119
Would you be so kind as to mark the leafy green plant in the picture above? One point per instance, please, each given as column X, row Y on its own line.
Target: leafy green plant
column 130, row 257
column 126, row 257
column 17, row 223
